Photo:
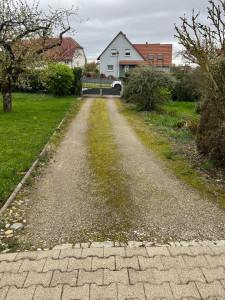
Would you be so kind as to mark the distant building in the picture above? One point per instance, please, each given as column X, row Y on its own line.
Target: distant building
column 69, row 53
column 121, row 56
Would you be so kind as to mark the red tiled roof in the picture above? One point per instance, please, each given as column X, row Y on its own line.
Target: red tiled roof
column 155, row 49
column 65, row 51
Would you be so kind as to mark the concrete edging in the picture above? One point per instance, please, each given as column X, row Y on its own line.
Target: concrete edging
column 29, row 172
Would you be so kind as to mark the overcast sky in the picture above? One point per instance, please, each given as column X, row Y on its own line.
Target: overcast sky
column 142, row 21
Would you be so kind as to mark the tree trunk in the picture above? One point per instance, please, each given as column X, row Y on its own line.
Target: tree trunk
column 7, row 97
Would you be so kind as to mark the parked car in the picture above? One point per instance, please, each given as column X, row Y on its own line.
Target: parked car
column 117, row 85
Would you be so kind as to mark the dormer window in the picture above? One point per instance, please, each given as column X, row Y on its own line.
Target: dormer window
column 151, row 57
column 113, row 52
column 127, row 52
column 160, row 56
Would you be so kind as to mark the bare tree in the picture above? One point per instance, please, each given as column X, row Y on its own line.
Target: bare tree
column 205, row 45
column 25, row 32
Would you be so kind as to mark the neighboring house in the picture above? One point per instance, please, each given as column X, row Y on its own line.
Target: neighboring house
column 69, row 53
column 121, row 56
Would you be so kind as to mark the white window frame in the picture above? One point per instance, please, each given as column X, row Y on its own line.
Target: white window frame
column 113, row 52
column 108, row 69
column 127, row 50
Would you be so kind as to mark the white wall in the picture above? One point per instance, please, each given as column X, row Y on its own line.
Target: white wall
column 120, row 44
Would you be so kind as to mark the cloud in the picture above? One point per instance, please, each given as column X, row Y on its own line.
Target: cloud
column 142, row 21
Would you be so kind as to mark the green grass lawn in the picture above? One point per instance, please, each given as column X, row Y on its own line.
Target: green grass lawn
column 24, row 132
column 95, row 85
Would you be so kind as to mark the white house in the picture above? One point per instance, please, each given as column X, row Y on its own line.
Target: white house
column 121, row 56
column 69, row 53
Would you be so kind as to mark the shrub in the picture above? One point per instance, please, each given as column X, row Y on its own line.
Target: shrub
column 102, row 75
column 88, row 74
column 77, row 84
column 193, row 125
column 59, row 79
column 111, row 77
column 148, row 86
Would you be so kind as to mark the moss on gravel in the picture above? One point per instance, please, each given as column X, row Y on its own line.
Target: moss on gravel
column 105, row 163
column 161, row 145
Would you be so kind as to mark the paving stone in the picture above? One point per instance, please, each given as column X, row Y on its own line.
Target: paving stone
column 88, row 252
column 196, row 262
column 35, row 278
column 216, row 261
column 116, row 276
column 70, row 253
column 134, row 244
column 21, row 294
column 32, row 265
column 56, row 264
column 85, row 245
column 141, row 276
column 223, row 283
column 64, row 278
column 76, row 263
column 10, row 266
column 7, row 256
column 3, row 292
column 103, row 292
column 201, row 250
column 162, row 291
column 187, row 275
column 48, row 254
column 119, row 251
column 150, row 262
column 166, row 276
column 185, row 290
column 210, row 289
column 131, row 292
column 31, row 255
column 220, row 243
column 213, row 274
column 90, row 277
column 49, row 293
column 9, row 279
column 126, row 262
column 134, row 251
column 104, row 263
column 218, row 249
column 153, row 251
column 174, row 251
column 63, row 246
column 105, row 244
column 76, row 293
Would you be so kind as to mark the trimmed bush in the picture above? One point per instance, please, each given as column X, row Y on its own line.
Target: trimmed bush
column 59, row 79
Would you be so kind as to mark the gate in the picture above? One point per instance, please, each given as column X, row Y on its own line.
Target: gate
column 98, row 87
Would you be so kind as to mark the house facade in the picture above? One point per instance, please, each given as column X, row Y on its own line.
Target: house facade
column 69, row 53
column 121, row 56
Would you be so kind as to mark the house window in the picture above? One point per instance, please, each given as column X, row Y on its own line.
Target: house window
column 160, row 56
column 127, row 52
column 113, row 52
column 151, row 57
column 110, row 68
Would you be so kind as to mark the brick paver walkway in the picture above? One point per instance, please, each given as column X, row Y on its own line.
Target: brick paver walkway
column 108, row 272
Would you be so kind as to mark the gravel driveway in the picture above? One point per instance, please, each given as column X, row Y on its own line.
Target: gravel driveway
column 62, row 205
